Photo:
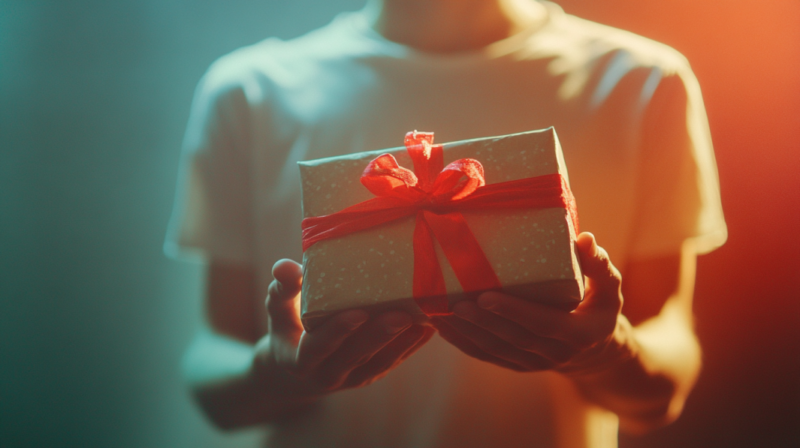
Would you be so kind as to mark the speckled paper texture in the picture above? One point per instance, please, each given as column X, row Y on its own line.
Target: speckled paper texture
column 532, row 250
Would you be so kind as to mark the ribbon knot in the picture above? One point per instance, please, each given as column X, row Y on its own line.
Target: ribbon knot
column 437, row 194
column 431, row 184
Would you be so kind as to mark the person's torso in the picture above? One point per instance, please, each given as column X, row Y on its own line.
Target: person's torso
column 338, row 91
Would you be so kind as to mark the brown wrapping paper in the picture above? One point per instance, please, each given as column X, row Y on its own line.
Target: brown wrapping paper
column 532, row 251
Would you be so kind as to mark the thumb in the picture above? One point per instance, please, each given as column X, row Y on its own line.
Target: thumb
column 604, row 280
column 283, row 301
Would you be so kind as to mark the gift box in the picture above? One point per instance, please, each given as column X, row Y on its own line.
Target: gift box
column 485, row 214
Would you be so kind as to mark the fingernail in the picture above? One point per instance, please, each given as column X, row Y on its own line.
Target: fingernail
column 487, row 302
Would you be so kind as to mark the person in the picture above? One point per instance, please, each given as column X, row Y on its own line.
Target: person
column 501, row 371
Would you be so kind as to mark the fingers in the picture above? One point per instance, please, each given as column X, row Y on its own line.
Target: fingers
column 428, row 333
column 582, row 328
column 451, row 335
column 390, row 356
column 315, row 347
column 523, row 335
column 358, row 350
column 496, row 347
column 605, row 281
column 536, row 318
column 283, row 299
column 481, row 344
column 289, row 275
column 513, row 334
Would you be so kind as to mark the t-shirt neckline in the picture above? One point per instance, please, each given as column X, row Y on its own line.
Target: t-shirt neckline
column 358, row 23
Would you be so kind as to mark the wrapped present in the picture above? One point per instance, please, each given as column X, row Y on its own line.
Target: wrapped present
column 485, row 214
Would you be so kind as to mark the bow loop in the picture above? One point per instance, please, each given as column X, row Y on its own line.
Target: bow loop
column 384, row 177
column 458, row 180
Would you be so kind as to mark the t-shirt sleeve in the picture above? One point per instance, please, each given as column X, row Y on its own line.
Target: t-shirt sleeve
column 678, row 187
column 212, row 215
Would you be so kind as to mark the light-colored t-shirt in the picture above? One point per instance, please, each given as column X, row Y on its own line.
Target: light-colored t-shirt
column 630, row 117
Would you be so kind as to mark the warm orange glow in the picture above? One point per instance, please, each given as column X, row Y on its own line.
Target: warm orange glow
column 747, row 58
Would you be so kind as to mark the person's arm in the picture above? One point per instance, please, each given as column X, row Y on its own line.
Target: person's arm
column 641, row 367
column 650, row 389
column 241, row 377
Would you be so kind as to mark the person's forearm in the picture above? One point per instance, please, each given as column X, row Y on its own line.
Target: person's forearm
column 655, row 368
column 235, row 391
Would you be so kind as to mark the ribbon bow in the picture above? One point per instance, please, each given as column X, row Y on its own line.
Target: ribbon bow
column 437, row 195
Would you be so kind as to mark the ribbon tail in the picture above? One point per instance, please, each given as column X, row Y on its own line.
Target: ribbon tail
column 463, row 251
column 428, row 288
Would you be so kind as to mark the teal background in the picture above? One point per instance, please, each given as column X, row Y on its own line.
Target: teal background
column 94, row 97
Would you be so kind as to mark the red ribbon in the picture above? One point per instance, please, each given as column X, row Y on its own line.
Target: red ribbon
column 437, row 196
